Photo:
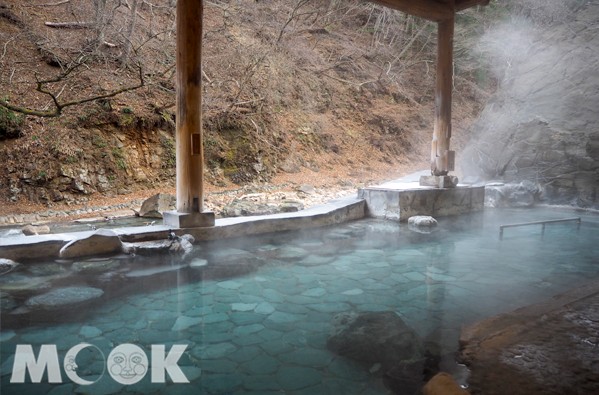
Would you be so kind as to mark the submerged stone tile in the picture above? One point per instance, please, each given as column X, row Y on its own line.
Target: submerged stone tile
column 261, row 365
column 314, row 292
column 244, row 354
column 64, row 296
column 353, row 292
column 246, row 318
column 89, row 331
column 261, row 384
column 6, row 335
column 95, row 266
column 378, row 263
column 292, row 308
column 273, row 296
column 191, row 372
column 213, row 351
column 229, row 284
column 215, row 317
column 294, row 378
column 279, row 317
column 21, row 282
column 199, row 311
column 270, row 334
column 296, row 337
column 208, row 337
column 247, row 340
column 264, row 308
column 154, row 270
column 152, row 336
column 440, row 277
column 372, row 307
column 243, row 306
column 218, row 366
column 274, row 347
column 247, row 329
column 289, row 252
column 183, row 322
column 316, row 260
column 64, row 389
column 219, row 383
column 307, row 357
column 330, row 307
column 104, row 385
column 299, row 300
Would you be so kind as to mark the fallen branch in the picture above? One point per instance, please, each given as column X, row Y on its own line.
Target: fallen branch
column 48, row 4
column 69, row 25
column 58, row 107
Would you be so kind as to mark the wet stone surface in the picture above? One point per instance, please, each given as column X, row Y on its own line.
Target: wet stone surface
column 550, row 353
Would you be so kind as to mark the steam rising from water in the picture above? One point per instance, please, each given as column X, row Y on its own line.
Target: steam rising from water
column 507, row 45
column 542, row 123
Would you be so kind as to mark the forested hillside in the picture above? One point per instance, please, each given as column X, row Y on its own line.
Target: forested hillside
column 335, row 91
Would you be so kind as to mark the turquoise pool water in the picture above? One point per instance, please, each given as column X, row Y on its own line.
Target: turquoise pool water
column 255, row 314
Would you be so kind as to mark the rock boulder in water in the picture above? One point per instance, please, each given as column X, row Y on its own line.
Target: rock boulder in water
column 31, row 230
column 6, row 265
column 103, row 241
column 95, row 266
column 523, row 194
column 64, row 296
column 381, row 339
column 422, row 221
column 154, row 206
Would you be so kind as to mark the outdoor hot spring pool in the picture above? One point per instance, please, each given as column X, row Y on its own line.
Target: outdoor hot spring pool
column 255, row 314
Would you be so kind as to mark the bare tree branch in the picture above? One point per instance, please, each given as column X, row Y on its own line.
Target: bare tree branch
column 47, row 4
column 69, row 25
column 58, row 107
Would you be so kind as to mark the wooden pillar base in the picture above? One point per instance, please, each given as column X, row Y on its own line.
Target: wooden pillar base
column 439, row 181
column 175, row 219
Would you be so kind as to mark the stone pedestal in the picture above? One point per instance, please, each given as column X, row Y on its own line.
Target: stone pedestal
column 403, row 202
column 176, row 219
column 439, row 181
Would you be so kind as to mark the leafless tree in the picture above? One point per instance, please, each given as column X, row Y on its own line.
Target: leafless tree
column 129, row 34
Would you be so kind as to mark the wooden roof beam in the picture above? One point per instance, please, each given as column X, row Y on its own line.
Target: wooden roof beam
column 461, row 5
column 433, row 10
column 427, row 9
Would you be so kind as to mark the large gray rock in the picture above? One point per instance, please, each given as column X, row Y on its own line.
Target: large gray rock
column 148, row 247
column 30, row 230
column 102, row 242
column 179, row 245
column 6, row 265
column 382, row 342
column 154, row 206
column 425, row 221
column 542, row 125
column 523, row 194
column 244, row 208
column 64, row 296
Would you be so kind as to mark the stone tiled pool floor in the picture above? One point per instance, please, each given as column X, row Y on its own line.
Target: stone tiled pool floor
column 265, row 331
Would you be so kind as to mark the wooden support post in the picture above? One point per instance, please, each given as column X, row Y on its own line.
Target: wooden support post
column 441, row 157
column 190, row 151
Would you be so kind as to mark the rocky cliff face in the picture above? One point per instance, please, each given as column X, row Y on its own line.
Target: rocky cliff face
column 543, row 123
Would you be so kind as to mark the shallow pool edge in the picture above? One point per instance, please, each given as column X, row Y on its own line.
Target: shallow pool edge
column 337, row 211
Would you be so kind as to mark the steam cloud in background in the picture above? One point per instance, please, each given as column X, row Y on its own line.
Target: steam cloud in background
column 542, row 125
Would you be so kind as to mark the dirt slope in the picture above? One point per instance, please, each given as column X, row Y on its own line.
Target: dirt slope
column 325, row 93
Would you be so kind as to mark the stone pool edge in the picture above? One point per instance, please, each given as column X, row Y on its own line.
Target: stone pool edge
column 22, row 248
column 483, row 345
